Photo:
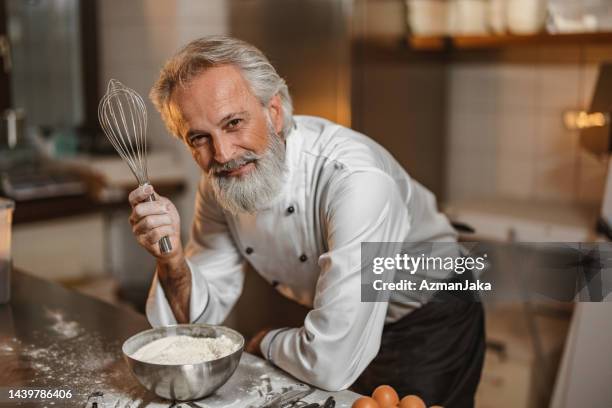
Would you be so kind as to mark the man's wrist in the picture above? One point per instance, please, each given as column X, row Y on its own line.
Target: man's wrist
column 174, row 276
column 173, row 266
column 266, row 342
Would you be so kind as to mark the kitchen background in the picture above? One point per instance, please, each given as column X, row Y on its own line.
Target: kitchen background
column 469, row 95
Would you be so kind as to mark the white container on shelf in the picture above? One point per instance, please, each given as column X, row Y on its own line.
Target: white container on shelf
column 526, row 17
column 575, row 16
column 498, row 16
column 428, row 17
column 469, row 17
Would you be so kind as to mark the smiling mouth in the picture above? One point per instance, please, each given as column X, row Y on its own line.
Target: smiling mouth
column 238, row 171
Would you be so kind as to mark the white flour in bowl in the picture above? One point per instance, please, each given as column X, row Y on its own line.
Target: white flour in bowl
column 185, row 350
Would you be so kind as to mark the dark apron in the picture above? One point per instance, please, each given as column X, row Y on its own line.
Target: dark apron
column 435, row 352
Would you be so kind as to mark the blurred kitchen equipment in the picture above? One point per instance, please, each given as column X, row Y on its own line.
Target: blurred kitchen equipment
column 428, row 17
column 50, row 78
column 25, row 173
column 187, row 381
column 328, row 403
column 12, row 128
column 498, row 16
column 526, row 17
column 287, row 398
column 583, row 351
column 65, row 142
column 469, row 17
column 596, row 137
column 6, row 217
column 123, row 117
column 16, row 147
column 95, row 400
column 575, row 16
column 37, row 182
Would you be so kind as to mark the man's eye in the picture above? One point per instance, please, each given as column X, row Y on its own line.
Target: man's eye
column 233, row 123
column 198, row 140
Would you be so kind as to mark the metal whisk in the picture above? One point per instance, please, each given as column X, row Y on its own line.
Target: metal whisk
column 123, row 117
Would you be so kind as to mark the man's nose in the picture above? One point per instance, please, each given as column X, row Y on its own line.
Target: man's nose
column 223, row 149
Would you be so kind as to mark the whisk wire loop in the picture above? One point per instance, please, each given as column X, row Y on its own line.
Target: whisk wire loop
column 123, row 116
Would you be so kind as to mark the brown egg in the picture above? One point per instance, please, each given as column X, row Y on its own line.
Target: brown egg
column 412, row 401
column 365, row 402
column 386, row 396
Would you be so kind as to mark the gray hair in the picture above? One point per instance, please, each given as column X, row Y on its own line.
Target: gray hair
column 219, row 50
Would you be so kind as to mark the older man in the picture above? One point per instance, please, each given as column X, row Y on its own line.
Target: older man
column 295, row 197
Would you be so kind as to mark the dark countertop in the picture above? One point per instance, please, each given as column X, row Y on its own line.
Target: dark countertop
column 52, row 337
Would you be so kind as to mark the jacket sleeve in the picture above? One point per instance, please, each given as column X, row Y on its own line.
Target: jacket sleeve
column 342, row 334
column 215, row 264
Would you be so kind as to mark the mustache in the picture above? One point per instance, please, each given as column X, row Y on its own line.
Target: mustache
column 219, row 169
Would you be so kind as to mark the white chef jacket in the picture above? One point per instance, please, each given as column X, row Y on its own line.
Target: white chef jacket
column 341, row 189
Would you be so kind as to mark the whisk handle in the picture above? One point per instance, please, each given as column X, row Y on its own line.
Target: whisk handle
column 164, row 244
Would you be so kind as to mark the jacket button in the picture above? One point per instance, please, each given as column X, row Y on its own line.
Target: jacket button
column 274, row 283
column 303, row 258
column 291, row 209
column 249, row 250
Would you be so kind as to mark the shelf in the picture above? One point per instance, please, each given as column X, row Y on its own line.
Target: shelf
column 59, row 207
column 500, row 41
column 428, row 43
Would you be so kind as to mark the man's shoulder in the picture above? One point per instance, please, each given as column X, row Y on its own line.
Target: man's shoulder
column 317, row 132
column 332, row 143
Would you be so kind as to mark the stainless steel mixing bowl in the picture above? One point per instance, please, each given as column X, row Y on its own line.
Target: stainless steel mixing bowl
column 183, row 382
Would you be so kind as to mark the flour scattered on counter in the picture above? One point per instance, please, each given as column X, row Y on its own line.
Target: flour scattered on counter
column 83, row 364
column 61, row 326
column 185, row 350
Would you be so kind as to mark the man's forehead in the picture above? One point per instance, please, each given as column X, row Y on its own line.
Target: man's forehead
column 214, row 93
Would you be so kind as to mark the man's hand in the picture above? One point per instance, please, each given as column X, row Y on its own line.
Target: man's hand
column 152, row 220
column 254, row 345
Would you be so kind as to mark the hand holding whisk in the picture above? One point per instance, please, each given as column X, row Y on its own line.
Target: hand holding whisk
column 123, row 117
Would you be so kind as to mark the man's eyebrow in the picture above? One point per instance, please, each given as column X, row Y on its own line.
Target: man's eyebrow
column 226, row 118
column 231, row 116
column 193, row 132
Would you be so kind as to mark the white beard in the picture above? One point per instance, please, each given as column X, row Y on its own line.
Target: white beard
column 255, row 190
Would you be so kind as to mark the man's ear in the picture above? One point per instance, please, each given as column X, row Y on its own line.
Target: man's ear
column 276, row 112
